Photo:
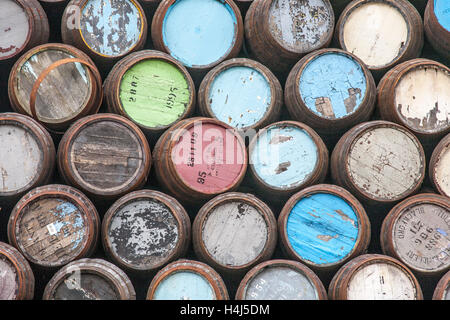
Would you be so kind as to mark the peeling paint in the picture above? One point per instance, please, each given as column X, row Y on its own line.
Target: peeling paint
column 333, row 85
column 329, row 235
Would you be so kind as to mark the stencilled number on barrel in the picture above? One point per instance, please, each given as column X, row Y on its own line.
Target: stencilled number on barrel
column 133, row 91
column 171, row 98
column 201, row 177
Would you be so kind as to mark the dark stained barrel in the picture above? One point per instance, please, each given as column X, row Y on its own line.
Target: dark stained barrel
column 56, row 84
column 241, row 92
column 89, row 279
column 199, row 158
column 199, row 33
column 279, row 32
column 23, row 25
column 442, row 290
column 281, row 279
column 417, row 232
column 374, row 277
column 323, row 227
column 416, row 94
column 331, row 90
column 285, row 157
column 152, row 89
column 439, row 167
column 379, row 162
column 106, row 30
column 187, row 280
column 233, row 232
column 53, row 225
column 16, row 276
column 104, row 155
column 144, row 230
column 27, row 159
column 436, row 22
column 381, row 33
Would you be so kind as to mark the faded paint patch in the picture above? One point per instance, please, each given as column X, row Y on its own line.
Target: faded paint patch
column 8, row 279
column 234, row 233
column 333, row 85
column 199, row 32
column 111, row 27
column 442, row 171
column 327, row 236
column 280, row 283
column 376, row 32
column 240, row 96
column 14, row 28
column 385, row 163
column 278, row 146
column 422, row 97
column 300, row 25
column 143, row 233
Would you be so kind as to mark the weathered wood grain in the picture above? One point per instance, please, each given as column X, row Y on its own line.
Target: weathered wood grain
column 281, row 280
column 442, row 290
column 53, row 225
column 105, row 155
column 89, row 279
column 374, row 277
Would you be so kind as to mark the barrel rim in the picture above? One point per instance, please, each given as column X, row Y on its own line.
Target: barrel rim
column 213, row 74
column 137, row 44
column 314, row 137
column 177, row 211
column 68, row 171
column 441, row 148
column 364, row 226
column 297, row 266
column 388, row 243
column 205, row 211
column 70, row 194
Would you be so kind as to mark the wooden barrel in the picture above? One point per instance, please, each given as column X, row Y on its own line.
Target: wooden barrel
column 439, row 167
column 381, row 33
column 198, row 33
column 233, row 232
column 331, row 90
column 286, row 157
column 152, row 89
column 416, row 94
column 241, row 92
column 279, row 32
column 27, row 159
column 417, row 232
column 436, row 22
column 89, row 279
column 199, row 158
column 442, row 290
column 56, row 84
column 53, row 225
column 323, row 226
column 104, row 155
column 23, row 25
column 187, row 280
column 106, row 30
column 144, row 230
column 16, row 278
column 281, row 279
column 379, row 162
column 374, row 277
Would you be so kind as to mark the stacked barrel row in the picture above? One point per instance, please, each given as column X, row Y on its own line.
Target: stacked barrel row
column 203, row 149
